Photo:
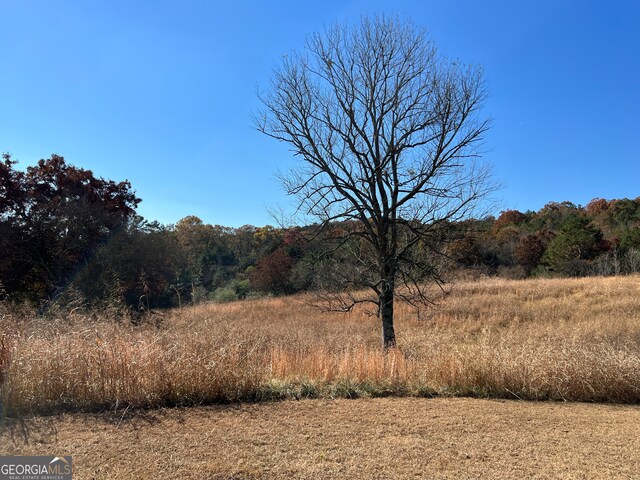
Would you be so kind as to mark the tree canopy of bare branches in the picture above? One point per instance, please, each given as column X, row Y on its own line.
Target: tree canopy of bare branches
column 388, row 134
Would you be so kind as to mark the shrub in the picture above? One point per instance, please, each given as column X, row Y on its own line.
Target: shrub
column 223, row 294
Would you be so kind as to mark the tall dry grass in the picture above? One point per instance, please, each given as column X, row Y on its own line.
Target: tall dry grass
column 560, row 339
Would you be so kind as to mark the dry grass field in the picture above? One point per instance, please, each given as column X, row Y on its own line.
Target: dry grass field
column 559, row 339
column 571, row 340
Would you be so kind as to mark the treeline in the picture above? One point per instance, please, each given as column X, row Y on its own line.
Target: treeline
column 69, row 238
column 561, row 239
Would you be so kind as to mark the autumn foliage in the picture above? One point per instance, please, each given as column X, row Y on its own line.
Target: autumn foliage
column 70, row 238
column 53, row 216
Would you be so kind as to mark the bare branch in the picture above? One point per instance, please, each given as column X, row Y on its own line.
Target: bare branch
column 388, row 133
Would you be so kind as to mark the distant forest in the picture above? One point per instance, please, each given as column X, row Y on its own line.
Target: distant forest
column 70, row 239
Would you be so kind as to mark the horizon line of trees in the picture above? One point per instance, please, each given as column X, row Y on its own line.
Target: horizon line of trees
column 69, row 238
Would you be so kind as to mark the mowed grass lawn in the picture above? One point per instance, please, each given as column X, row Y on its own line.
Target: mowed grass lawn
column 381, row 438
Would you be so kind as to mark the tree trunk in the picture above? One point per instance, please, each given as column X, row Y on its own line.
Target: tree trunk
column 386, row 314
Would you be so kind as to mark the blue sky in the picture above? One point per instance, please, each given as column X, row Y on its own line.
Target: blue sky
column 161, row 93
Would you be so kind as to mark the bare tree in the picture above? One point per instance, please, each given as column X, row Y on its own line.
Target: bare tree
column 388, row 136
